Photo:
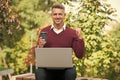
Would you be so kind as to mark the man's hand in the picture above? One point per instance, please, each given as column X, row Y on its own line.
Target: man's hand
column 79, row 33
column 41, row 42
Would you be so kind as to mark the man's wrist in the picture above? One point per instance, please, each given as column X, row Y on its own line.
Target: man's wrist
column 38, row 46
column 80, row 37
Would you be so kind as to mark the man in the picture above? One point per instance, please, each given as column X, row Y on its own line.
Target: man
column 60, row 35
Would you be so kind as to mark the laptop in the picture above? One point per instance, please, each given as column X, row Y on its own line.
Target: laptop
column 55, row 58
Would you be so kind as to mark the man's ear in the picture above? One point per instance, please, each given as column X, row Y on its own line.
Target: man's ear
column 50, row 14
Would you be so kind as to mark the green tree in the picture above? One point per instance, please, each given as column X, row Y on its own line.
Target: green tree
column 114, row 49
column 10, row 28
column 31, row 18
column 9, row 25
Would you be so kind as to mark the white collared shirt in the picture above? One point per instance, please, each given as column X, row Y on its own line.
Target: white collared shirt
column 57, row 31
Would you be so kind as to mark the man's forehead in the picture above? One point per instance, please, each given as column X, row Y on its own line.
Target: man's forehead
column 57, row 10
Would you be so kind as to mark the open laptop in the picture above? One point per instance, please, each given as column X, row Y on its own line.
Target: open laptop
column 55, row 58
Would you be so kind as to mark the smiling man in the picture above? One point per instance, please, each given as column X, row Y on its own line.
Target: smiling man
column 60, row 35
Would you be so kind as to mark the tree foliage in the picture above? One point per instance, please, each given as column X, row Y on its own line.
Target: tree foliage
column 113, row 39
column 31, row 18
column 9, row 24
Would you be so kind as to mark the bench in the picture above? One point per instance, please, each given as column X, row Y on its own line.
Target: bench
column 6, row 74
column 27, row 76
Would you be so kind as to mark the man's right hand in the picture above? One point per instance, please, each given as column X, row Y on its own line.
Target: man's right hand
column 41, row 42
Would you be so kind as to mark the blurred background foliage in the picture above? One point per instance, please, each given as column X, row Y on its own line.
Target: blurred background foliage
column 20, row 21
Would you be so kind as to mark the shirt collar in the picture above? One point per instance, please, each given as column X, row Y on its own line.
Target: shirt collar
column 64, row 26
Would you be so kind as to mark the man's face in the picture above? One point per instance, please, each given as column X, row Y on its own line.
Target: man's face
column 58, row 15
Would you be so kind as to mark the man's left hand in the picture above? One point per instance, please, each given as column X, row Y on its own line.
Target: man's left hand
column 79, row 33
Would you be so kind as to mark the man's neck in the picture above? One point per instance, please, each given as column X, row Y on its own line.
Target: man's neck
column 58, row 26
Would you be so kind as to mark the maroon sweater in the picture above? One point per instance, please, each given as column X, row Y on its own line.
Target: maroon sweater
column 67, row 38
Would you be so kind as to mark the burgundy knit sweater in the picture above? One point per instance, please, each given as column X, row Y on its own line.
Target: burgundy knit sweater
column 67, row 38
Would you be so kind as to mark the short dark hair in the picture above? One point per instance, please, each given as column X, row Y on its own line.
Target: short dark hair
column 58, row 6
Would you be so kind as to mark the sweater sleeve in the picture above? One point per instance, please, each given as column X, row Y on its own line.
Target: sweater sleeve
column 79, row 47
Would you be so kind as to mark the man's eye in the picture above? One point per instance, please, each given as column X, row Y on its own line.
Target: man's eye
column 60, row 14
column 57, row 14
column 54, row 14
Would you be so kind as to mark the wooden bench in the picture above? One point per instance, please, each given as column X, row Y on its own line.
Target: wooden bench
column 32, row 77
column 28, row 76
column 6, row 74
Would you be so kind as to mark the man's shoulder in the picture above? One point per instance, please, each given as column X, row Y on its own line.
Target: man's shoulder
column 46, row 28
column 68, row 28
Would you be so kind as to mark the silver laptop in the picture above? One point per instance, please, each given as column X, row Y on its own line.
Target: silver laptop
column 54, row 58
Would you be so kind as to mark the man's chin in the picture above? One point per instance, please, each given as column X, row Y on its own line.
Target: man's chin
column 57, row 23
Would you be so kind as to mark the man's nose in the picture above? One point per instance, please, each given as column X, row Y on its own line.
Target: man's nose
column 57, row 16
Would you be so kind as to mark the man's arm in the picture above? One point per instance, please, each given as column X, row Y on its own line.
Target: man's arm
column 78, row 44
